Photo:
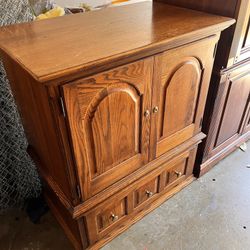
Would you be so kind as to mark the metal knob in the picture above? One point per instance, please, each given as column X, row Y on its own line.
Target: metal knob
column 155, row 109
column 114, row 217
column 178, row 173
column 147, row 113
column 149, row 193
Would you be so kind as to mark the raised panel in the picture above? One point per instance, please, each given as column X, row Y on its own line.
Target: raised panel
column 145, row 192
column 109, row 132
column 179, row 97
column 234, row 108
column 113, row 119
column 110, row 215
column 180, row 87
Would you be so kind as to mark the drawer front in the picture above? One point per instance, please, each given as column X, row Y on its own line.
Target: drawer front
column 122, row 209
column 111, row 215
column 105, row 217
column 146, row 192
column 176, row 172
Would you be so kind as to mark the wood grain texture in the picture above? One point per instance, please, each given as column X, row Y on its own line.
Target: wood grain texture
column 118, row 204
column 72, row 44
column 129, row 179
column 112, row 103
column 181, row 80
column 232, row 49
column 109, row 131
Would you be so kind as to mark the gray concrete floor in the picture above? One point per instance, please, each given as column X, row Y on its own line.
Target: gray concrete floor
column 212, row 213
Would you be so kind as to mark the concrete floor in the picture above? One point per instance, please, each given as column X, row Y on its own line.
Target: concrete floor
column 212, row 213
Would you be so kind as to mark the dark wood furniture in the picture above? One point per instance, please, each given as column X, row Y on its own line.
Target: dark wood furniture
column 227, row 114
column 112, row 103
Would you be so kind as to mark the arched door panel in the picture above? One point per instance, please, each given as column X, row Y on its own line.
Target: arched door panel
column 109, row 133
column 181, row 79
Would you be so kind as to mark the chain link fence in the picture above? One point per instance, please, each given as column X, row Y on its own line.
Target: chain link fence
column 18, row 176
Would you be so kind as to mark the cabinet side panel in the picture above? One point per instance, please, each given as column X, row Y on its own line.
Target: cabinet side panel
column 33, row 105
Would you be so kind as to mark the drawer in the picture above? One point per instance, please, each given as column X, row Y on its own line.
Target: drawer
column 146, row 192
column 178, row 170
column 106, row 217
column 111, row 215
column 122, row 209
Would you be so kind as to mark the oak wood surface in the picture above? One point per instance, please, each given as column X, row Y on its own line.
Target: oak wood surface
column 118, row 204
column 51, row 48
column 117, row 84
column 181, row 80
column 225, row 126
column 109, row 130
column 129, row 179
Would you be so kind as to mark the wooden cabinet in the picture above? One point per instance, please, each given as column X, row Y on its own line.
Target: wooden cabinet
column 113, row 111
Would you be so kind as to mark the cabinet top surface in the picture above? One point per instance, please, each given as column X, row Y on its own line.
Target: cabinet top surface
column 50, row 49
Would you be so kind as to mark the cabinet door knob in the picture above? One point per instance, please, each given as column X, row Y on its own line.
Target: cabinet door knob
column 178, row 173
column 114, row 217
column 155, row 109
column 147, row 113
column 149, row 193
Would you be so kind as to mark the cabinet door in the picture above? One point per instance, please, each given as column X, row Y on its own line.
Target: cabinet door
column 180, row 87
column 234, row 111
column 109, row 131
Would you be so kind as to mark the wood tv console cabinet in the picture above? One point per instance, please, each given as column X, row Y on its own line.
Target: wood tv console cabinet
column 112, row 104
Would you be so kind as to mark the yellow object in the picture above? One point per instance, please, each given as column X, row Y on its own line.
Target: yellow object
column 57, row 11
column 119, row 1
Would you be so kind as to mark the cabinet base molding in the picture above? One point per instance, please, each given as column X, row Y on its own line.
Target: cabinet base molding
column 211, row 162
column 70, row 226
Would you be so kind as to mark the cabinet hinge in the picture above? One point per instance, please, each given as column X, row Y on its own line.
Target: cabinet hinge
column 78, row 191
column 62, row 106
column 201, row 120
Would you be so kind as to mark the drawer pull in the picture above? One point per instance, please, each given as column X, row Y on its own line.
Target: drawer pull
column 149, row 193
column 179, row 174
column 155, row 109
column 114, row 217
column 147, row 113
